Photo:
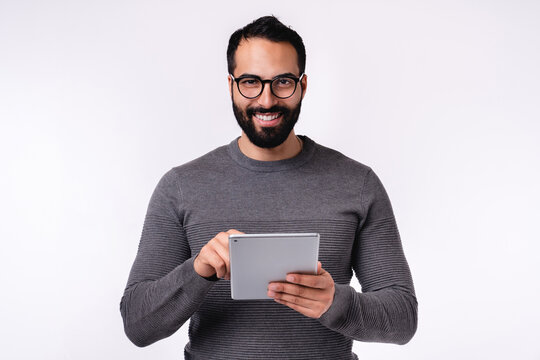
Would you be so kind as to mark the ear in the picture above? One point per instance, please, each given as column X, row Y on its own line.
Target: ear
column 303, row 83
column 229, row 81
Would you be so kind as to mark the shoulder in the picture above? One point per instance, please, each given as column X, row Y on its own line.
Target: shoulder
column 213, row 161
column 361, row 178
column 171, row 185
column 208, row 166
column 339, row 162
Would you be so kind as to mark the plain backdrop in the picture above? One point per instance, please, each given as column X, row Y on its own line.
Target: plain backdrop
column 98, row 99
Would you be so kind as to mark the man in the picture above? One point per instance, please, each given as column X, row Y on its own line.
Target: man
column 270, row 180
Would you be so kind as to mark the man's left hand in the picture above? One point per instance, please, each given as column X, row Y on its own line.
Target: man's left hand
column 310, row 295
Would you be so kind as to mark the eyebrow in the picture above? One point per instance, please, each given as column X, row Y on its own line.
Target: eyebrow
column 284, row 74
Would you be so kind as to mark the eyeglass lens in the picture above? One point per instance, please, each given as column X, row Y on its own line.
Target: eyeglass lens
column 282, row 87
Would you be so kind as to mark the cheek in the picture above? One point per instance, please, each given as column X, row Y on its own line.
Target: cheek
column 292, row 102
column 242, row 105
column 238, row 99
column 296, row 98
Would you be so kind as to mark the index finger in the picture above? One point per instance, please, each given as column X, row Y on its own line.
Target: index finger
column 223, row 236
column 233, row 231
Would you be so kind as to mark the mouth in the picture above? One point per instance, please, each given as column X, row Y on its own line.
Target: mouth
column 268, row 119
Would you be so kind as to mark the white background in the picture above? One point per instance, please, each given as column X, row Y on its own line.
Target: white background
column 98, row 99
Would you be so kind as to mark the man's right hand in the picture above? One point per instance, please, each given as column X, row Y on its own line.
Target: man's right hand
column 214, row 256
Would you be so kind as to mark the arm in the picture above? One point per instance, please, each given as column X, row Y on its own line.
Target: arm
column 386, row 310
column 163, row 289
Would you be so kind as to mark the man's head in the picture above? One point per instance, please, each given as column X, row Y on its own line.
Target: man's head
column 266, row 50
column 269, row 28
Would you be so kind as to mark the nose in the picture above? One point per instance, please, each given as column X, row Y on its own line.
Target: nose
column 267, row 99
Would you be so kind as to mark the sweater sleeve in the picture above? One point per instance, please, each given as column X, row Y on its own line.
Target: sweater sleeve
column 386, row 309
column 163, row 289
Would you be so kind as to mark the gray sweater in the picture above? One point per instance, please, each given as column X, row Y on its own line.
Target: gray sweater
column 320, row 190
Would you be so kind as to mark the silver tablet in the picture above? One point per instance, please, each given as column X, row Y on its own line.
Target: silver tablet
column 257, row 259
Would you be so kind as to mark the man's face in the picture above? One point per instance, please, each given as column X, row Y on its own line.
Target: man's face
column 266, row 120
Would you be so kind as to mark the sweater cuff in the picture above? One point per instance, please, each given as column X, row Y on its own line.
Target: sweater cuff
column 336, row 316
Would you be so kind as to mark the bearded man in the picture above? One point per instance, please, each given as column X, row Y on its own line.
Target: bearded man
column 269, row 180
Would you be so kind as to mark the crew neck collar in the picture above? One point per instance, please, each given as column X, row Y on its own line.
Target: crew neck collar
column 305, row 154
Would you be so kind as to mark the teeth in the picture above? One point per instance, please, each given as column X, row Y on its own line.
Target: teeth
column 266, row 117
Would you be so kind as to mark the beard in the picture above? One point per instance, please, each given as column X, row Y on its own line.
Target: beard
column 267, row 137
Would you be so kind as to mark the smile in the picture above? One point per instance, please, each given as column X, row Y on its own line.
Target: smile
column 267, row 116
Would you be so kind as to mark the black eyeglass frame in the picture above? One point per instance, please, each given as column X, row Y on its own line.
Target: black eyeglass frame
column 264, row 82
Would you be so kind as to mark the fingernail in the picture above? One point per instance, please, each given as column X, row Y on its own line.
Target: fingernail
column 272, row 287
column 290, row 278
column 271, row 294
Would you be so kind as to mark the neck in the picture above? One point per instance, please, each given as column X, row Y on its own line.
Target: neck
column 288, row 149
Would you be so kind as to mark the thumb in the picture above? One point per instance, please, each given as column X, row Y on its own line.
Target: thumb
column 319, row 268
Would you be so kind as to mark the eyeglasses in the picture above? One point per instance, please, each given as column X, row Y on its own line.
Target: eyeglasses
column 282, row 86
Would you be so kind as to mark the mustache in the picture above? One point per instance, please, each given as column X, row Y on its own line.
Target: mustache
column 274, row 109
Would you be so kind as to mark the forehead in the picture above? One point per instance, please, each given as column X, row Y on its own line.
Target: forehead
column 265, row 58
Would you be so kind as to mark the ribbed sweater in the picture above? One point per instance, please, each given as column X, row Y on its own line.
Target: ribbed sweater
column 318, row 191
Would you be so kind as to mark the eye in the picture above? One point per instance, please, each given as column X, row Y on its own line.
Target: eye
column 249, row 82
column 283, row 82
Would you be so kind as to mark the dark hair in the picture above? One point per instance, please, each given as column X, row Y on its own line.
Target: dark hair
column 270, row 28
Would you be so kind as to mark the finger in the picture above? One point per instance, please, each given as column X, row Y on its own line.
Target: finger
column 295, row 290
column 233, row 231
column 221, row 246
column 314, row 281
column 225, row 243
column 222, row 238
column 213, row 259
column 320, row 270
column 298, row 300
column 223, row 253
column 301, row 309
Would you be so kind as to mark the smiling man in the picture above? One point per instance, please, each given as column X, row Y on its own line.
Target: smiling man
column 266, row 110
column 270, row 180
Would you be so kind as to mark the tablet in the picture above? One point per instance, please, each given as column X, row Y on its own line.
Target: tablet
column 257, row 259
